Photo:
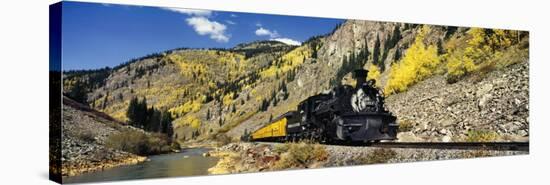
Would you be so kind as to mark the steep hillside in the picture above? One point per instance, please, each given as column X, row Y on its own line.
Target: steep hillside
column 214, row 93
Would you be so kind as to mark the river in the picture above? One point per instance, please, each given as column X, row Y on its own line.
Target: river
column 188, row 162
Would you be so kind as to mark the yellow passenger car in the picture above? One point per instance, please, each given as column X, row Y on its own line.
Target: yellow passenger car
column 276, row 129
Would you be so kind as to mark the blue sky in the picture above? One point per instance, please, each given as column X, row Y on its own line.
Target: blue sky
column 99, row 35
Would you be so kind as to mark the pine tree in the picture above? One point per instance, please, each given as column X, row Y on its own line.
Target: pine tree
column 208, row 114
column 105, row 101
column 132, row 112
column 78, row 93
column 376, row 52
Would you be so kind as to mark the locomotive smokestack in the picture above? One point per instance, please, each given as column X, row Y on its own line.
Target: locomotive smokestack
column 360, row 76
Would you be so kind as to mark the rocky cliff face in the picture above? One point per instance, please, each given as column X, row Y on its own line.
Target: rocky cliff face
column 437, row 111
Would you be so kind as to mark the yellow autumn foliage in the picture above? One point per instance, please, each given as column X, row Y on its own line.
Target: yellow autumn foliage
column 189, row 120
column 289, row 61
column 481, row 47
column 374, row 74
column 190, row 106
column 228, row 99
column 419, row 62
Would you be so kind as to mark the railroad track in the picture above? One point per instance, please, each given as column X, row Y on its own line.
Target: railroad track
column 511, row 146
column 502, row 146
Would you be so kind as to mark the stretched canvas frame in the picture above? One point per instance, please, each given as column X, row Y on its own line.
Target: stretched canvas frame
column 359, row 92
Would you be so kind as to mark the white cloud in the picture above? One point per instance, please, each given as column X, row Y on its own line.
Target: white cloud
column 230, row 22
column 263, row 32
column 192, row 12
column 288, row 41
column 233, row 15
column 214, row 29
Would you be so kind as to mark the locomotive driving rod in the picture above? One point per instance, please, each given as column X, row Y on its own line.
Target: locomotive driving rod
column 512, row 146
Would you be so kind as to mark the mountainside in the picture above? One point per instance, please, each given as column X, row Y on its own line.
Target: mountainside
column 214, row 93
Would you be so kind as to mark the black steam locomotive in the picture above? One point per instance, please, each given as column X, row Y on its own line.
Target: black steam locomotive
column 345, row 114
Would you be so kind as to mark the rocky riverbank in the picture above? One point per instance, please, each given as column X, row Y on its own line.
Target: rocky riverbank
column 84, row 158
column 256, row 157
column 84, row 136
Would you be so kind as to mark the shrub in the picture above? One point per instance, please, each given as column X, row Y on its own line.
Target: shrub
column 86, row 136
column 481, row 136
column 175, row 145
column 158, row 143
column 139, row 143
column 222, row 139
column 405, row 126
column 129, row 141
column 301, row 155
column 280, row 148
column 380, row 155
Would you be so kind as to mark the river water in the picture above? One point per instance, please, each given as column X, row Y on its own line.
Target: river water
column 189, row 162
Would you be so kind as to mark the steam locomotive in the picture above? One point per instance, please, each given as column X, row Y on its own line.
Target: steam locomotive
column 345, row 114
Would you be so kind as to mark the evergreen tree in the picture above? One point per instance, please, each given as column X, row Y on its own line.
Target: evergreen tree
column 104, row 105
column 78, row 93
column 132, row 112
column 208, row 114
column 376, row 52
column 166, row 124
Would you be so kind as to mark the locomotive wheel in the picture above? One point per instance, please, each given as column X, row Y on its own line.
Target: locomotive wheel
column 323, row 135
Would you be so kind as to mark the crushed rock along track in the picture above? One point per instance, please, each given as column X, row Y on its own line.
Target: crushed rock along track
column 254, row 156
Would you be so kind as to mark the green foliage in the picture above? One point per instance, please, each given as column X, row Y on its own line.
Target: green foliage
column 481, row 136
column 419, row 62
column 376, row 52
column 149, row 119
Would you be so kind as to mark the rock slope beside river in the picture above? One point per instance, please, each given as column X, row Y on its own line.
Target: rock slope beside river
column 84, row 133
